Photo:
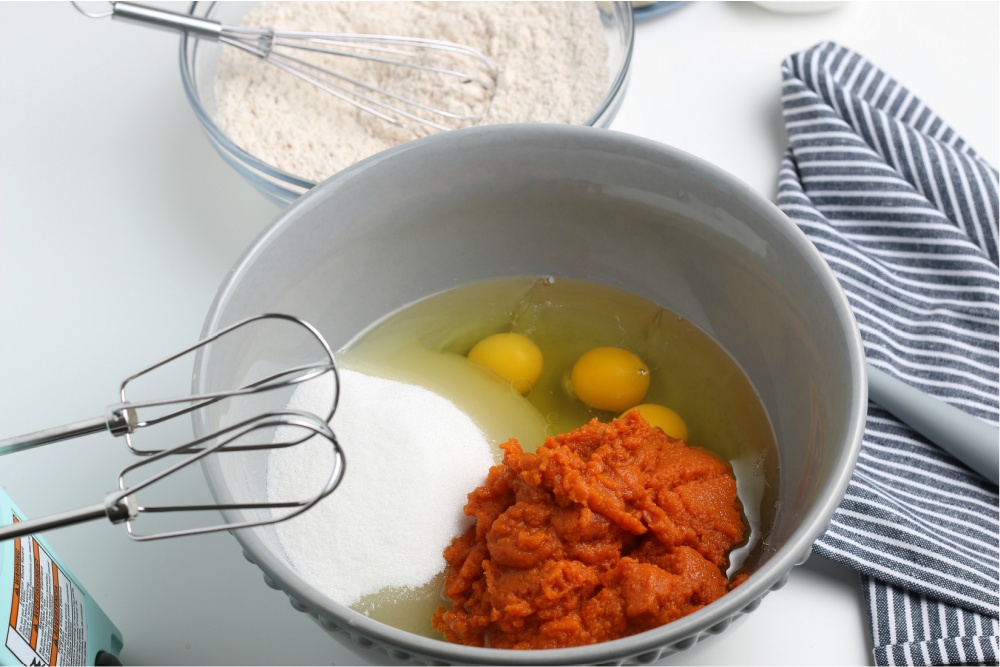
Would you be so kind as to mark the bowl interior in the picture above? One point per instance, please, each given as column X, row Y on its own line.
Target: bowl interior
column 581, row 203
column 199, row 60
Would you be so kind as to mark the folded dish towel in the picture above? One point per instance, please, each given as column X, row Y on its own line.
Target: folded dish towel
column 905, row 214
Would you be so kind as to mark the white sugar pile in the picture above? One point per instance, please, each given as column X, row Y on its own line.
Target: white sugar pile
column 551, row 58
column 412, row 457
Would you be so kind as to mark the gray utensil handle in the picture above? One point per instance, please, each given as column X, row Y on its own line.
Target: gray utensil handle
column 970, row 440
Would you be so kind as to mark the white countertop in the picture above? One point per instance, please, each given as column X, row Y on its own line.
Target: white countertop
column 118, row 221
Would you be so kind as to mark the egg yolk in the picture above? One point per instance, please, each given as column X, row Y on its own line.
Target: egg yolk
column 663, row 418
column 512, row 356
column 610, row 378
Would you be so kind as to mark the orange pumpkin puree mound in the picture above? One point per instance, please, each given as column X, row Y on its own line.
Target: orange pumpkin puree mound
column 605, row 531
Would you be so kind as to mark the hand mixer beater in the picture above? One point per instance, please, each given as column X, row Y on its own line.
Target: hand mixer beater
column 269, row 384
column 313, row 57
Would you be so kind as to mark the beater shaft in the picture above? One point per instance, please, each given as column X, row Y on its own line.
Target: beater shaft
column 116, row 514
column 117, row 421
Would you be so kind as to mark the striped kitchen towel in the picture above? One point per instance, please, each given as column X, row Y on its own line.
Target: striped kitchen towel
column 905, row 214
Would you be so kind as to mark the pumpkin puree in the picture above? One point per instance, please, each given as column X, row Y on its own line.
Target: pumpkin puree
column 605, row 531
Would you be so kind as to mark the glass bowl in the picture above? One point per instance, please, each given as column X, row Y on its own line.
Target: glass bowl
column 199, row 60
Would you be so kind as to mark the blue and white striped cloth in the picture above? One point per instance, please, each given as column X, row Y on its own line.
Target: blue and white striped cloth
column 905, row 213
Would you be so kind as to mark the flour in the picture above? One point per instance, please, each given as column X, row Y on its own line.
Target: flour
column 412, row 457
column 551, row 59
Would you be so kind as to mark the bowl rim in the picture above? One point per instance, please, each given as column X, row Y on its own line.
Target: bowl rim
column 190, row 43
column 711, row 619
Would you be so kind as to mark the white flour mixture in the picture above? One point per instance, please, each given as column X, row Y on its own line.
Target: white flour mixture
column 551, row 59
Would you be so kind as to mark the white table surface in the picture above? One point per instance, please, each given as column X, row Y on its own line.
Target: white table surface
column 118, row 221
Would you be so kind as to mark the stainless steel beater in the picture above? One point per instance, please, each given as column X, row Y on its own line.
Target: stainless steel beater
column 284, row 50
column 258, row 432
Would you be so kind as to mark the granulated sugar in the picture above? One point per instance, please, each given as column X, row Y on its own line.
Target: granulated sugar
column 412, row 457
column 551, row 59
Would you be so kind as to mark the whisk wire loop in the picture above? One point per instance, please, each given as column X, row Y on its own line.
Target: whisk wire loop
column 227, row 441
column 127, row 414
column 370, row 103
column 373, row 99
column 131, row 413
column 317, row 44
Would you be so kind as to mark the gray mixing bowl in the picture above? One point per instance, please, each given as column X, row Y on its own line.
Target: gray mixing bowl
column 582, row 203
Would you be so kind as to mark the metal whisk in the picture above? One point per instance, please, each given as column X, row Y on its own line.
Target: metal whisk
column 284, row 49
column 264, row 430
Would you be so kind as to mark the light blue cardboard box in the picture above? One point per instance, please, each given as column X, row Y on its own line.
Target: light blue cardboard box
column 49, row 618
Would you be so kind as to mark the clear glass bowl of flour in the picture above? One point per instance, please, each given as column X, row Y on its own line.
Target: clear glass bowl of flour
column 283, row 173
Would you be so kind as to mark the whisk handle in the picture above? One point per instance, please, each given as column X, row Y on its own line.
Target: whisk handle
column 163, row 18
